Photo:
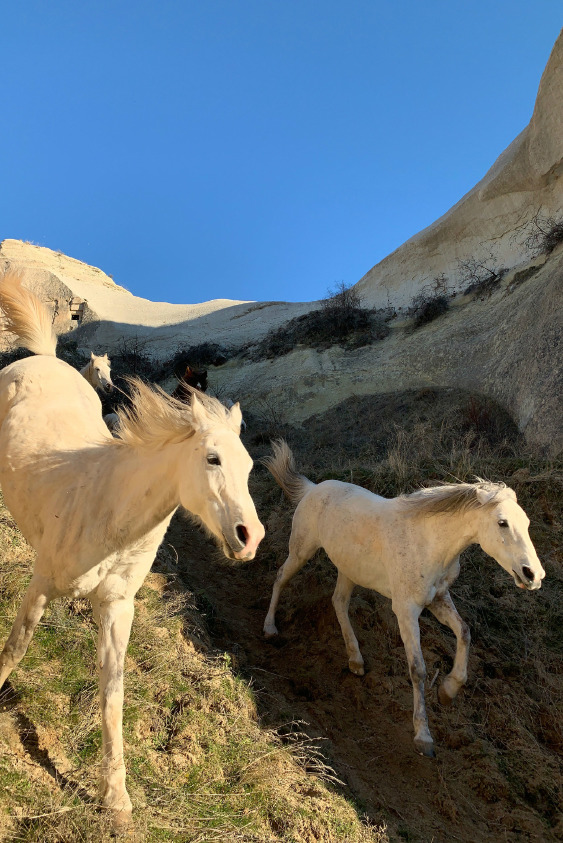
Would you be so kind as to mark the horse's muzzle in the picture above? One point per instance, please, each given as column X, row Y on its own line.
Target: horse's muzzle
column 244, row 540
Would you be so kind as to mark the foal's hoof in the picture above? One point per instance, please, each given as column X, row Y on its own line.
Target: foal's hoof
column 270, row 631
column 425, row 748
column 357, row 668
column 443, row 696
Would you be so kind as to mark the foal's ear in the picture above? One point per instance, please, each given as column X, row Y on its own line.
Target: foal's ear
column 92, row 356
column 235, row 415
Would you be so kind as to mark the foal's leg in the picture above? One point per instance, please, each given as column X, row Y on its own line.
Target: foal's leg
column 407, row 615
column 341, row 601
column 301, row 548
column 114, row 626
column 34, row 603
column 442, row 607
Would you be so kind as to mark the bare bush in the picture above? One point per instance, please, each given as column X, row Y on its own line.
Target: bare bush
column 432, row 301
column 541, row 234
column 480, row 277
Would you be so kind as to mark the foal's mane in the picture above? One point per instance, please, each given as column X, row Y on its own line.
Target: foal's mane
column 154, row 418
column 451, row 498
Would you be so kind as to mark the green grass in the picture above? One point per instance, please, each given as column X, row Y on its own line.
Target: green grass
column 200, row 767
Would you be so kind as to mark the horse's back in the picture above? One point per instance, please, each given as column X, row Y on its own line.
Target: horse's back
column 45, row 404
column 352, row 525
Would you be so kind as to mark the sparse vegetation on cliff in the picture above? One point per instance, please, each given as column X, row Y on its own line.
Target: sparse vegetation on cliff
column 340, row 320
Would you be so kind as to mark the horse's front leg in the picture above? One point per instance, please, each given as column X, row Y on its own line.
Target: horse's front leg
column 36, row 600
column 114, row 626
column 442, row 607
column 408, row 615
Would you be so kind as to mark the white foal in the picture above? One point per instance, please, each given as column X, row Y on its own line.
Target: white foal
column 96, row 508
column 98, row 372
column 407, row 549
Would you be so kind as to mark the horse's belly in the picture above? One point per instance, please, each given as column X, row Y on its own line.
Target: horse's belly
column 364, row 568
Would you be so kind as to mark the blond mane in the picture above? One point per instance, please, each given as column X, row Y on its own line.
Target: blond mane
column 451, row 498
column 154, row 418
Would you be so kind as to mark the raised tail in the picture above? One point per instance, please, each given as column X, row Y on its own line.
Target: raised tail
column 282, row 466
column 26, row 315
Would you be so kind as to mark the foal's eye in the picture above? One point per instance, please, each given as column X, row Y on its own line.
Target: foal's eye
column 213, row 459
column 503, row 523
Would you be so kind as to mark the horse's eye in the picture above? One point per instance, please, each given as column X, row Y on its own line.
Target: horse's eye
column 503, row 523
column 213, row 459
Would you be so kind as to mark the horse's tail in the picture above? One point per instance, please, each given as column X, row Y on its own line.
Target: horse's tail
column 26, row 315
column 282, row 467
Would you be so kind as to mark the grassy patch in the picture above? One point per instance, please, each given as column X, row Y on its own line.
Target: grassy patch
column 200, row 767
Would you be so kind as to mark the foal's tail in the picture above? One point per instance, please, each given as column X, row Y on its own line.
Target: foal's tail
column 26, row 315
column 282, row 467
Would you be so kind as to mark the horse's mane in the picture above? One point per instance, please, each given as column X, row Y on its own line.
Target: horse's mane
column 451, row 497
column 154, row 418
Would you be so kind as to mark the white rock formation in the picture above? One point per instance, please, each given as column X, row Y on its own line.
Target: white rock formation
column 508, row 346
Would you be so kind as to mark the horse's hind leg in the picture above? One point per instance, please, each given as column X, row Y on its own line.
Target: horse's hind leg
column 442, row 607
column 341, row 602
column 301, row 548
column 34, row 603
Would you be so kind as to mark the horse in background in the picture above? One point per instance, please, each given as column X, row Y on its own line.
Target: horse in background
column 95, row 508
column 190, row 380
column 97, row 373
column 406, row 548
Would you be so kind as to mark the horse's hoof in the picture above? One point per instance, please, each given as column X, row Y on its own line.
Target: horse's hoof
column 121, row 821
column 357, row 668
column 443, row 696
column 425, row 748
column 270, row 631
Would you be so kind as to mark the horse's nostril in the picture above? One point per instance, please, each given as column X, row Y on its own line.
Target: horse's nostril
column 528, row 573
column 242, row 533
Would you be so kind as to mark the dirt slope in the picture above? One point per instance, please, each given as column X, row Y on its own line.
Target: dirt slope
column 498, row 773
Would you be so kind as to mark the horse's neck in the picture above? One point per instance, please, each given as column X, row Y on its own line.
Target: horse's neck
column 113, row 495
column 86, row 372
column 449, row 534
column 143, row 485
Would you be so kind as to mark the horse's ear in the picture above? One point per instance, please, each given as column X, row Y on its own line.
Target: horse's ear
column 485, row 495
column 235, row 414
column 199, row 416
column 189, row 372
column 106, row 357
column 92, row 355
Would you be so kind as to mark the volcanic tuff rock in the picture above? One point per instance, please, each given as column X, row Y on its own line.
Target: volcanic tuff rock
column 507, row 345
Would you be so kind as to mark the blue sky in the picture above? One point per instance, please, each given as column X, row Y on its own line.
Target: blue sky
column 254, row 149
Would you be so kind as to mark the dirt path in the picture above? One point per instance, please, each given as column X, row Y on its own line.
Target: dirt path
column 479, row 788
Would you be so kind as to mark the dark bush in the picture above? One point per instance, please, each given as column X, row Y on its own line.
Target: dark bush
column 322, row 329
column 198, row 356
column 340, row 320
column 426, row 307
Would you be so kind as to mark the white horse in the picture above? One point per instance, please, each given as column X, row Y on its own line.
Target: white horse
column 96, row 508
column 97, row 372
column 407, row 549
